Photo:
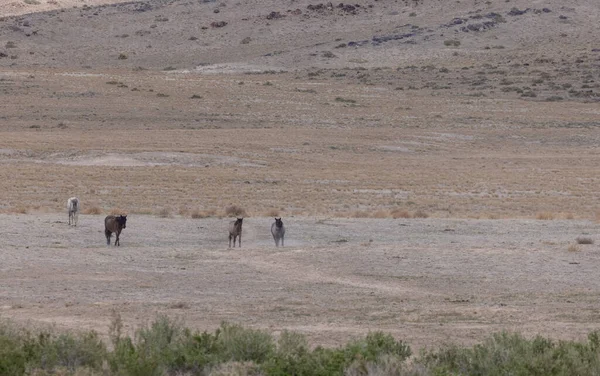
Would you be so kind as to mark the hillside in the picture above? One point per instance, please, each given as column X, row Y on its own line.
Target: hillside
column 301, row 34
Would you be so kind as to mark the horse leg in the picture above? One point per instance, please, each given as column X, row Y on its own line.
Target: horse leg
column 108, row 234
column 282, row 240
column 117, row 242
column 230, row 241
column 239, row 241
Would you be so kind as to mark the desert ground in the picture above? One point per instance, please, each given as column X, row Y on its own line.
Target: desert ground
column 426, row 281
column 434, row 163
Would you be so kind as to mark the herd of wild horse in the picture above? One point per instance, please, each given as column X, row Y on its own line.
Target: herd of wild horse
column 116, row 224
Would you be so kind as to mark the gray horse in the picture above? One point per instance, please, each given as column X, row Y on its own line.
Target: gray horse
column 114, row 224
column 235, row 230
column 278, row 231
column 73, row 208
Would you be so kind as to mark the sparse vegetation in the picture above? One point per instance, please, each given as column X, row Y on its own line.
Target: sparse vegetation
column 166, row 347
column 117, row 211
column 529, row 94
column 95, row 210
column 311, row 91
column 545, row 216
column 451, row 43
column 344, row 100
column 272, row 213
column 573, row 248
column 400, row 213
column 198, row 214
column 164, row 213
column 584, row 240
column 235, row 211
column 420, row 214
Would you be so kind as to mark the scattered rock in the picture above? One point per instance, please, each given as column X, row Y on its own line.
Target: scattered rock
column 218, row 24
column 387, row 38
column 479, row 26
column 143, row 7
column 347, row 7
column 517, row 12
column 274, row 16
column 246, row 40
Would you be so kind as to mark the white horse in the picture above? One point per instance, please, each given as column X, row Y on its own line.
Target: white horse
column 73, row 207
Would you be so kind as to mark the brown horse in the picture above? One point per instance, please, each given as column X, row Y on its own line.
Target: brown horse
column 235, row 230
column 114, row 224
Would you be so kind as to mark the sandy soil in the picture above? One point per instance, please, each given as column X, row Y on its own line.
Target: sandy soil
column 426, row 281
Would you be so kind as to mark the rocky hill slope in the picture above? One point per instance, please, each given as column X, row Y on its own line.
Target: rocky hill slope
column 299, row 34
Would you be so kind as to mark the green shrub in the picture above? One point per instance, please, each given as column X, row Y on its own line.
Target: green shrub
column 12, row 358
column 49, row 351
column 511, row 354
column 242, row 344
column 451, row 43
column 293, row 357
column 165, row 347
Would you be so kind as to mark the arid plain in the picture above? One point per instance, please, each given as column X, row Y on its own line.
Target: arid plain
column 432, row 189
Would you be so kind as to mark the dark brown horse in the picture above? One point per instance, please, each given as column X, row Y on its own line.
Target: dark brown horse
column 114, row 224
column 235, row 230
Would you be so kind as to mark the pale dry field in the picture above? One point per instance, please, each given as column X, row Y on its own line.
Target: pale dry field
column 426, row 281
column 301, row 147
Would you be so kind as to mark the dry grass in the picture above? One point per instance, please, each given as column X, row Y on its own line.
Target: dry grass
column 400, row 213
column 117, row 211
column 359, row 214
column 235, row 211
column 19, row 210
column 232, row 168
column 92, row 210
column 179, row 305
column 272, row 213
column 545, row 216
column 164, row 213
column 584, row 240
column 380, row 214
column 573, row 248
column 420, row 214
column 198, row 214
